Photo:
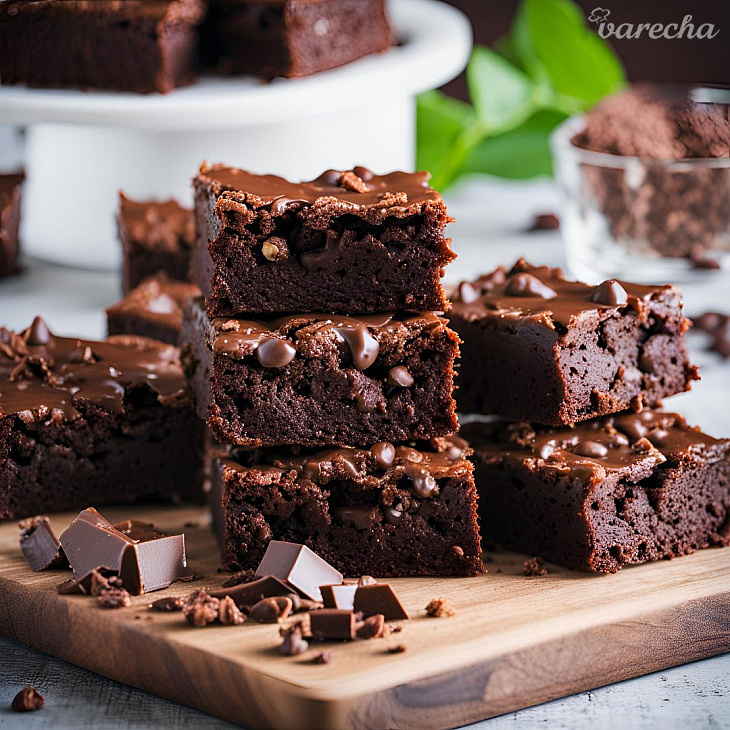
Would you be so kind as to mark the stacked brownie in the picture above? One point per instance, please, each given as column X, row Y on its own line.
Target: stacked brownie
column 318, row 358
column 586, row 470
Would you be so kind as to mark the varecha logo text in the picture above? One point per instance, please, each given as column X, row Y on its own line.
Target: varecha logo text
column 685, row 29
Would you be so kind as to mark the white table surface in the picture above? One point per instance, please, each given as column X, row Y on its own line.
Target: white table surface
column 492, row 218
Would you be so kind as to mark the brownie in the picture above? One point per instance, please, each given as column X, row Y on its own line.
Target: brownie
column 315, row 380
column 142, row 46
column 270, row 38
column 544, row 349
column 155, row 236
column 349, row 242
column 10, row 188
column 611, row 492
column 154, row 308
column 84, row 422
column 386, row 511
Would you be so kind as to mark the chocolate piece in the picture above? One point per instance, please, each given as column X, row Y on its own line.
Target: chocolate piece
column 92, row 422
column 39, row 544
column 70, row 587
column 167, row 604
column 247, row 594
column 397, row 649
column 373, row 627
column 439, row 607
column 359, row 516
column 534, row 566
column 27, row 700
column 584, row 352
column 293, row 642
column 154, row 562
column 154, row 308
column 545, row 222
column 379, row 598
column 298, row 567
column 10, row 191
column 327, row 380
column 332, row 624
column 661, row 489
column 339, row 596
column 376, row 246
column 156, row 237
column 270, row 610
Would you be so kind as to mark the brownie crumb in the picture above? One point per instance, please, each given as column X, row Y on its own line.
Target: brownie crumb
column 27, row 700
column 439, row 608
column 373, row 627
column 324, row 657
column 229, row 614
column 114, row 598
column 245, row 576
column 293, row 643
column 534, row 566
column 271, row 610
column 200, row 608
column 545, row 222
column 397, row 649
column 169, row 603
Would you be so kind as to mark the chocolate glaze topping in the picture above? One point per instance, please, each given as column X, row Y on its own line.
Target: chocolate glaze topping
column 359, row 187
column 45, row 375
column 544, row 295
column 275, row 342
column 593, row 448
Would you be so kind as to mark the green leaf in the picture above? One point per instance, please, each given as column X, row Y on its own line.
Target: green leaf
column 503, row 96
column 552, row 41
column 518, row 154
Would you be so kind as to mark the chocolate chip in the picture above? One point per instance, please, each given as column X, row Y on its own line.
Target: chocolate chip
column 38, row 333
column 610, row 293
column 534, row 566
column 364, row 348
column 545, row 222
column 373, row 627
column 710, row 321
column 27, row 700
column 467, row 293
column 329, row 177
column 400, row 376
column 82, row 354
column 528, row 285
column 363, row 173
column 283, row 204
column 423, row 483
column 439, row 608
column 275, row 353
column 271, row 610
column 293, row 643
column 384, row 453
column 229, row 614
column 591, row 449
column 275, row 249
column 169, row 603
column 392, row 516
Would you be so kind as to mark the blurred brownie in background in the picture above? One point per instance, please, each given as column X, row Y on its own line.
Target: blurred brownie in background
column 270, row 38
column 142, row 46
column 154, row 308
column 10, row 187
column 155, row 236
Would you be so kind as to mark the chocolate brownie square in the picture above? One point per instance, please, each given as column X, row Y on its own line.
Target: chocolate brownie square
column 349, row 241
column 544, row 349
column 84, row 422
column 386, row 511
column 142, row 46
column 610, row 492
column 10, row 188
column 316, row 380
column 154, row 308
column 155, row 236
column 293, row 38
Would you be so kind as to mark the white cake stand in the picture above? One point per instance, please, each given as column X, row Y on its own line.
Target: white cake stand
column 82, row 147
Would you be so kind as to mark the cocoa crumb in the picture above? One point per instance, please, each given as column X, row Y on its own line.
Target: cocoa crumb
column 534, row 566
column 170, row 603
column 114, row 598
column 27, row 700
column 293, row 643
column 439, row 608
column 397, row 649
column 101, row 584
column 323, row 657
column 229, row 614
column 200, row 608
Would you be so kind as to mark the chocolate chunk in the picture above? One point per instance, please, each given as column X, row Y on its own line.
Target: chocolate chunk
column 228, row 613
column 379, row 598
column 534, row 566
column 393, row 515
column 40, row 545
column 200, row 608
column 397, row 649
column 153, row 563
column 592, row 449
column 334, row 624
column 710, row 321
column 38, row 333
column 400, row 376
column 373, row 627
column 247, row 594
column 424, row 483
column 27, row 700
column 169, row 603
column 384, row 453
column 610, row 293
column 339, row 596
column 364, row 348
column 528, row 285
column 299, row 567
column 271, row 610
column 275, row 353
column 70, row 587
column 439, row 607
column 293, row 643
column 545, row 222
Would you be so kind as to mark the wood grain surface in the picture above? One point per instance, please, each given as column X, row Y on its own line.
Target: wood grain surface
column 515, row 641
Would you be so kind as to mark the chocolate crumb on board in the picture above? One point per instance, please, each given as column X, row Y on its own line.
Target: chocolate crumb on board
column 169, row 603
column 229, row 613
column 324, row 657
column 439, row 608
column 397, row 649
column 293, row 642
column 114, row 598
column 237, row 579
column 200, row 608
column 544, row 222
column 534, row 566
column 27, row 700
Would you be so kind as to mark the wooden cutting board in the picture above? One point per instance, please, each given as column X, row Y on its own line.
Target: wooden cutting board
column 514, row 641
